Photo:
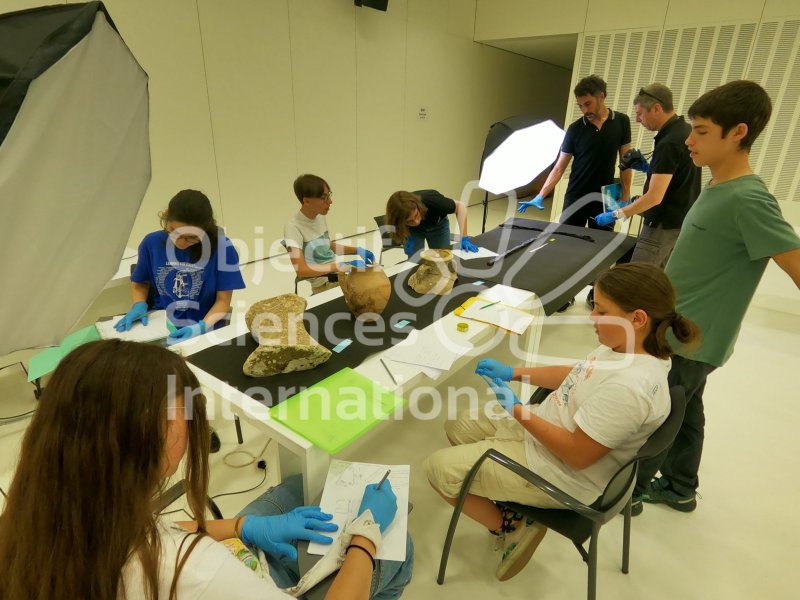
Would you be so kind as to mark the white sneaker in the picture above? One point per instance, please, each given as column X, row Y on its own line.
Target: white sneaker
column 520, row 546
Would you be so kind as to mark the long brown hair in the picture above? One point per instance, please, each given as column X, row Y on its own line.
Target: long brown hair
column 81, row 503
column 399, row 208
column 643, row 286
column 193, row 208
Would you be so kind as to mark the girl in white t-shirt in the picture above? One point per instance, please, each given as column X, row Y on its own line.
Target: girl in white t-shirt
column 114, row 423
column 602, row 411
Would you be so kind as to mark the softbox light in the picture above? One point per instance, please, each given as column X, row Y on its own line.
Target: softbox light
column 521, row 156
column 74, row 165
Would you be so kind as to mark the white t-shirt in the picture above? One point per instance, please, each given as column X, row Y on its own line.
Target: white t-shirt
column 616, row 399
column 210, row 573
column 311, row 237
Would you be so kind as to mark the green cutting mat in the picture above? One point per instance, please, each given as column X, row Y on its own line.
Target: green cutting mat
column 338, row 410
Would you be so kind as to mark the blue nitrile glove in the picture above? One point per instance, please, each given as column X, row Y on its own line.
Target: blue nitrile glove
column 137, row 312
column 188, row 332
column 642, row 165
column 275, row 534
column 356, row 263
column 467, row 245
column 505, row 395
column 494, row 368
column 409, row 245
column 606, row 218
column 382, row 502
column 537, row 201
column 367, row 256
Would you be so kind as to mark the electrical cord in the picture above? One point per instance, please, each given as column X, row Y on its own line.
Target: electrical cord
column 247, row 454
column 258, row 485
column 19, row 416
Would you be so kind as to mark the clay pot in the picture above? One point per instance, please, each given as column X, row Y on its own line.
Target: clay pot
column 436, row 273
column 366, row 292
column 284, row 345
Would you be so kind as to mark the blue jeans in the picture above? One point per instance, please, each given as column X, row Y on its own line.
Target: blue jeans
column 389, row 578
column 437, row 236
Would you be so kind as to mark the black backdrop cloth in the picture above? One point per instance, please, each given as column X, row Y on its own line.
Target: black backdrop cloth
column 570, row 262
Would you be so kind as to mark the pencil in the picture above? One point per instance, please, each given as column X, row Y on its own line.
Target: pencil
column 383, row 362
column 488, row 305
column 380, row 483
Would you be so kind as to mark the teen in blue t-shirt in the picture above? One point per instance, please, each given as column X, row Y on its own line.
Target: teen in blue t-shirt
column 191, row 267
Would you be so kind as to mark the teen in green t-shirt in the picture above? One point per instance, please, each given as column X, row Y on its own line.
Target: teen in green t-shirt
column 726, row 241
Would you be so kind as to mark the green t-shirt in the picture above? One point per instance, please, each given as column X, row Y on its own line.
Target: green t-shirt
column 724, row 246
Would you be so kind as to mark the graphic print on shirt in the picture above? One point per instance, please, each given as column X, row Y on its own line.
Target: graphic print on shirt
column 319, row 250
column 180, row 281
column 580, row 372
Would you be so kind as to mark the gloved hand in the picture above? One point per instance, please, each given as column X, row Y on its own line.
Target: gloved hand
column 366, row 255
column 606, row 218
column 494, row 368
column 537, row 201
column 382, row 502
column 505, row 395
column 409, row 246
column 355, row 263
column 137, row 312
column 188, row 332
column 641, row 165
column 467, row 245
column 276, row 534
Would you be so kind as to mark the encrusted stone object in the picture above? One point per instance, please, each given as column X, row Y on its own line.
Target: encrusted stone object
column 436, row 273
column 284, row 345
column 366, row 292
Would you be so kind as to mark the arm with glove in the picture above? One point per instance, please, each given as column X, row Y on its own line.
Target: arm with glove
column 461, row 217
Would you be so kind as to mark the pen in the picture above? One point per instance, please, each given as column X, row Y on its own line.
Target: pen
column 383, row 362
column 380, row 483
column 488, row 305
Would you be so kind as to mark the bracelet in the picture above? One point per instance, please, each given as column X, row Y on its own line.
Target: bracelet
column 364, row 550
column 237, row 527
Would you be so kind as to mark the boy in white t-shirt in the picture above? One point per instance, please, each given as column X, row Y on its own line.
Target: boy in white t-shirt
column 602, row 411
column 311, row 250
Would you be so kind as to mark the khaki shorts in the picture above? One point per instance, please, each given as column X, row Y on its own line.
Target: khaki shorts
column 473, row 435
column 328, row 285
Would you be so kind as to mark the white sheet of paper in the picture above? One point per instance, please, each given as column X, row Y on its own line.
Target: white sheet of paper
column 427, row 351
column 156, row 328
column 429, row 371
column 501, row 315
column 481, row 253
column 344, row 489
column 506, row 295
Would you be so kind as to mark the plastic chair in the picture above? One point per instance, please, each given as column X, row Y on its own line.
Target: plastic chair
column 333, row 277
column 386, row 231
column 577, row 521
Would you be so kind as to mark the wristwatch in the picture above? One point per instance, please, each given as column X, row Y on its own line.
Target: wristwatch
column 620, row 216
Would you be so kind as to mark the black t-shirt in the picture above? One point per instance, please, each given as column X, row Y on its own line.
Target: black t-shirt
column 438, row 207
column 671, row 157
column 594, row 153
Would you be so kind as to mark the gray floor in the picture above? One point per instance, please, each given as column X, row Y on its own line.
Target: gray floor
column 739, row 543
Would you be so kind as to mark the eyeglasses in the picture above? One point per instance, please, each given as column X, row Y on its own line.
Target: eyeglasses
column 643, row 92
column 326, row 196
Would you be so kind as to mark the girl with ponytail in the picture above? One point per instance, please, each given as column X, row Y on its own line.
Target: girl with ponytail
column 602, row 410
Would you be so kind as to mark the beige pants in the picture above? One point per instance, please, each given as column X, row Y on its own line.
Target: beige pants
column 328, row 285
column 473, row 434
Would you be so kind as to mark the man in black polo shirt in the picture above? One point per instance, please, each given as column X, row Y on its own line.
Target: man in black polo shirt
column 673, row 181
column 596, row 140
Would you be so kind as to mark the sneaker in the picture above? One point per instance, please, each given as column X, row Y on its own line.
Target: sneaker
column 636, row 506
column 216, row 443
column 590, row 299
column 520, row 546
column 567, row 305
column 660, row 492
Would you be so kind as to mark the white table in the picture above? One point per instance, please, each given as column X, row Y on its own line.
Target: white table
column 315, row 462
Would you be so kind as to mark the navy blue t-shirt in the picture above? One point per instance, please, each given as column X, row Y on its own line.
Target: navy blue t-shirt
column 186, row 290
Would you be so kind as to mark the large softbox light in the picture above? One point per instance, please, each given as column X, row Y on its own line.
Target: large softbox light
column 74, row 165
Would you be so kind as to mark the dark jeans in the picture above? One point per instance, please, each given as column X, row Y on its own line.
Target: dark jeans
column 389, row 578
column 437, row 236
column 680, row 463
column 584, row 215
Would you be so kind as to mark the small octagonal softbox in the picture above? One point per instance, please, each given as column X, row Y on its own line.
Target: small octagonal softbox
column 74, row 165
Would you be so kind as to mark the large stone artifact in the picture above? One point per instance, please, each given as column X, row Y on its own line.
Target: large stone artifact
column 284, row 345
column 436, row 273
column 366, row 292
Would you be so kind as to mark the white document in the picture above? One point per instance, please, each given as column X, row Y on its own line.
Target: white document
column 429, row 371
column 428, row 351
column 344, row 489
column 481, row 253
column 505, row 317
column 156, row 328
column 506, row 295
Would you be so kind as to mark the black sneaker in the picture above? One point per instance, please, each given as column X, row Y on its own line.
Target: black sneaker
column 567, row 305
column 216, row 443
column 636, row 506
column 659, row 491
